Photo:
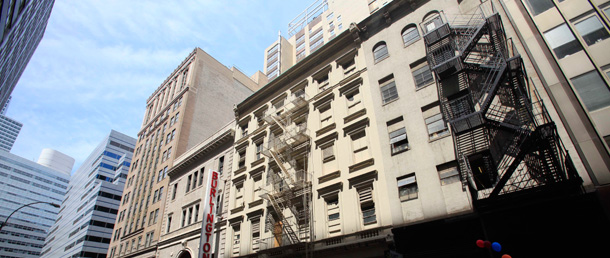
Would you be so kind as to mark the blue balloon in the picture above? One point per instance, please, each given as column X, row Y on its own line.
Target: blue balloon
column 496, row 246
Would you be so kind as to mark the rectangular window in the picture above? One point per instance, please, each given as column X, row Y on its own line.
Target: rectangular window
column 169, row 223
column 188, row 183
column 539, row 6
column 242, row 159
column 183, row 218
column 436, row 126
column 195, row 177
column 448, row 175
column 407, row 188
column 160, row 193
column 196, row 213
column 328, row 153
column 256, row 234
column 332, row 208
column 592, row 90
column 221, row 163
column 326, row 115
column 399, row 140
column 259, row 150
column 201, row 176
column 422, row 76
column 562, row 41
column 367, row 205
column 175, row 191
column 388, row 90
column 591, row 30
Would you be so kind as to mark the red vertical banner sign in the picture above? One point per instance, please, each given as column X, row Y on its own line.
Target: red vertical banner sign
column 206, row 246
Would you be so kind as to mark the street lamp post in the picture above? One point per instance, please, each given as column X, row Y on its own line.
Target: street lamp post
column 9, row 216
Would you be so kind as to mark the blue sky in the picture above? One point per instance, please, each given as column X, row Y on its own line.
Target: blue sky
column 100, row 60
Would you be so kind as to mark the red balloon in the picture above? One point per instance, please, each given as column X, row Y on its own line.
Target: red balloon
column 506, row 256
column 480, row 243
column 487, row 244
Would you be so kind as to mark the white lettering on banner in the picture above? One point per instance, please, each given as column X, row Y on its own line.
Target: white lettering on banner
column 209, row 211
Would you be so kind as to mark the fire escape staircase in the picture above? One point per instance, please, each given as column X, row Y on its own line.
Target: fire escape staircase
column 289, row 184
column 503, row 141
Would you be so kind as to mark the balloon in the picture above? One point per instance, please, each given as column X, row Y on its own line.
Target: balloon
column 480, row 243
column 506, row 256
column 496, row 247
column 487, row 244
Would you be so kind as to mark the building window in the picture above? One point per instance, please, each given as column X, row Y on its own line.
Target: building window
column 236, row 236
column 367, row 205
column 380, row 51
column 259, row 150
column 539, row 6
column 326, row 115
column 591, row 30
column 244, row 130
column 188, row 183
column 448, row 174
column 242, row 158
column 388, row 89
column 562, row 41
column 201, row 176
column 328, row 153
column 175, row 191
column 436, row 126
column 410, row 34
column 221, row 162
column 432, row 21
column 256, row 234
column 398, row 140
column 332, row 208
column 592, row 90
column 407, row 188
column 239, row 195
column 359, row 146
column 422, row 76
column 398, row 135
column 169, row 223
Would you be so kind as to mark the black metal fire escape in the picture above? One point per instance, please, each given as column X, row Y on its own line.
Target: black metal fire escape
column 504, row 141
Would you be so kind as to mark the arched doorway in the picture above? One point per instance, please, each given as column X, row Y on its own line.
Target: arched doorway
column 184, row 254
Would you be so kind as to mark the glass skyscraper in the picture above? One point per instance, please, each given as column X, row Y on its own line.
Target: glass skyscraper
column 23, row 182
column 89, row 209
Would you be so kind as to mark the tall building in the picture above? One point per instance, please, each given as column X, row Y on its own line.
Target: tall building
column 318, row 24
column 9, row 129
column 22, row 25
column 23, row 182
column 190, row 106
column 56, row 160
column 90, row 207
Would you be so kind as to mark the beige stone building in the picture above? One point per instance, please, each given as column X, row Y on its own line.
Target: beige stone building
column 184, row 208
column 190, row 106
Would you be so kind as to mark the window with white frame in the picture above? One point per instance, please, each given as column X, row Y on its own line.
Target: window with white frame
column 388, row 89
column 367, row 205
column 407, row 187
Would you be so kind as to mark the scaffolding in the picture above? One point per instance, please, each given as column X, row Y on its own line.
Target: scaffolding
column 504, row 139
column 289, row 183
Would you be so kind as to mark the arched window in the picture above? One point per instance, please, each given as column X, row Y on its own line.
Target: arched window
column 380, row 51
column 410, row 34
column 431, row 21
